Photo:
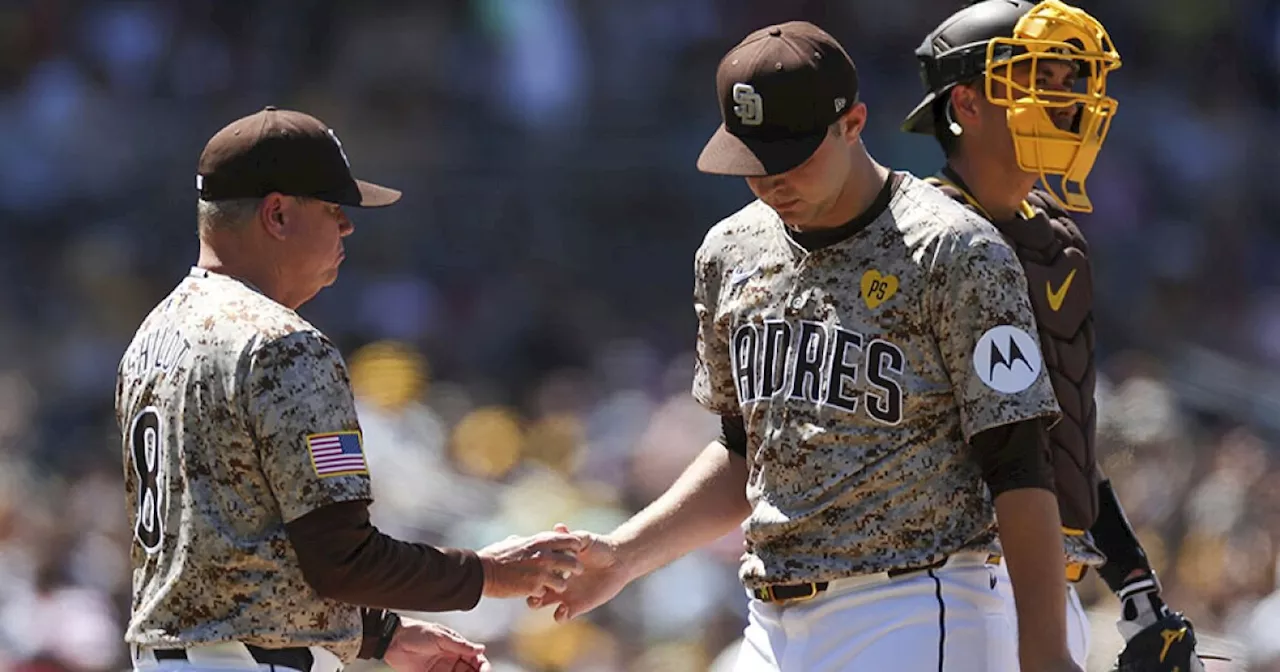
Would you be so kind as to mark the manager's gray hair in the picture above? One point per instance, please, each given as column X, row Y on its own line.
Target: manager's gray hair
column 231, row 213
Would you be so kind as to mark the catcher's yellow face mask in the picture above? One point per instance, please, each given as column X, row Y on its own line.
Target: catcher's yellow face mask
column 1053, row 30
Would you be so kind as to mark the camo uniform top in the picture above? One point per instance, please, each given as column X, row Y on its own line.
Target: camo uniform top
column 861, row 370
column 215, row 400
column 1055, row 258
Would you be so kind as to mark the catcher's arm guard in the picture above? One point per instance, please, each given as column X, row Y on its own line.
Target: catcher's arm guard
column 1157, row 640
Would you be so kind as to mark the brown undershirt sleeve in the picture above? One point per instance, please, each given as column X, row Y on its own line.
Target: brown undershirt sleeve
column 1015, row 456
column 345, row 558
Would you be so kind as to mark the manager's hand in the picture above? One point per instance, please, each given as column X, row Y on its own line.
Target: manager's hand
column 524, row 566
column 418, row 645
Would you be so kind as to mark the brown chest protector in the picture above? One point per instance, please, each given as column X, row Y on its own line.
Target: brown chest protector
column 1055, row 257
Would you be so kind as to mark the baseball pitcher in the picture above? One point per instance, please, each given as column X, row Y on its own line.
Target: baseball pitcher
column 871, row 350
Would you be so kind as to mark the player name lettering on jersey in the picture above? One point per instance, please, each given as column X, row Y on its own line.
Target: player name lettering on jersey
column 159, row 350
column 819, row 363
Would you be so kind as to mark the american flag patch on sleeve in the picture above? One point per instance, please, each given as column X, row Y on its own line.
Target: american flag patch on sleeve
column 337, row 454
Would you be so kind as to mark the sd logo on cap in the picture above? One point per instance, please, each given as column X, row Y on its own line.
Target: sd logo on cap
column 779, row 89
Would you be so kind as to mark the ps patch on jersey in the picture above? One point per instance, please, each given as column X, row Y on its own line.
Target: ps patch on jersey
column 877, row 288
column 1007, row 359
column 337, row 454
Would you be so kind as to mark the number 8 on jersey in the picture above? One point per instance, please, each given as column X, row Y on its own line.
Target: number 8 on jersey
column 144, row 448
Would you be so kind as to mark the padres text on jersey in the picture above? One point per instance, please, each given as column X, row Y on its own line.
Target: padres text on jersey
column 861, row 370
column 236, row 417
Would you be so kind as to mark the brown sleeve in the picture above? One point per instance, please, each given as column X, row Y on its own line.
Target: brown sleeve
column 1014, row 456
column 733, row 434
column 345, row 558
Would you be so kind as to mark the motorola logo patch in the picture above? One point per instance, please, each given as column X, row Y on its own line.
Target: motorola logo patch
column 1007, row 359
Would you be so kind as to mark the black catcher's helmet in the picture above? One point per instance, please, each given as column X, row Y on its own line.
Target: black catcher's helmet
column 956, row 51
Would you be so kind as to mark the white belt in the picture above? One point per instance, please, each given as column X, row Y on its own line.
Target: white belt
column 226, row 656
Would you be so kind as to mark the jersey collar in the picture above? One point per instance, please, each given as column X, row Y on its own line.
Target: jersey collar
column 952, row 179
column 204, row 273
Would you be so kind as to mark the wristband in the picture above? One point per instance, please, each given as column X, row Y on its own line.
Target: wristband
column 390, row 623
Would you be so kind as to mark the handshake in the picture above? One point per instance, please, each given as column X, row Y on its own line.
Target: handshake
column 574, row 571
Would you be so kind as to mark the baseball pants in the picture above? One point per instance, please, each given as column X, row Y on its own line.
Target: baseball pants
column 949, row 619
column 1077, row 620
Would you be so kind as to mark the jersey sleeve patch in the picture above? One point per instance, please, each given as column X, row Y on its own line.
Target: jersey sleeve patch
column 1007, row 359
column 337, row 454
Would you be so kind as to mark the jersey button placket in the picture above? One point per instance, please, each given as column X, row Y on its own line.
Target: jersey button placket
column 792, row 308
column 796, row 295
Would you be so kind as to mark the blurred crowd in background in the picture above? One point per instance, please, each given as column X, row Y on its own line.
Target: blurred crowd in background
column 519, row 327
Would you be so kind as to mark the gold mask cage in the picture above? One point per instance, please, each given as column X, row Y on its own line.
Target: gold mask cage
column 1054, row 31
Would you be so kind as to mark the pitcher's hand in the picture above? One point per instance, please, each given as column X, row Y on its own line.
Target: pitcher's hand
column 604, row 575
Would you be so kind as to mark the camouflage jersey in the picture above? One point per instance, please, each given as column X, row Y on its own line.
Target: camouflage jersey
column 236, row 416
column 1055, row 258
column 861, row 370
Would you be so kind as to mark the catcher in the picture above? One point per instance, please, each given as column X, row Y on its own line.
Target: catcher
column 1016, row 93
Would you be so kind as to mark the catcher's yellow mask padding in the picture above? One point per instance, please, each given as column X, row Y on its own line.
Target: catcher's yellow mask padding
column 1057, row 31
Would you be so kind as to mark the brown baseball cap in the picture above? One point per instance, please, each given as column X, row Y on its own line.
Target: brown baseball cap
column 780, row 89
column 283, row 151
